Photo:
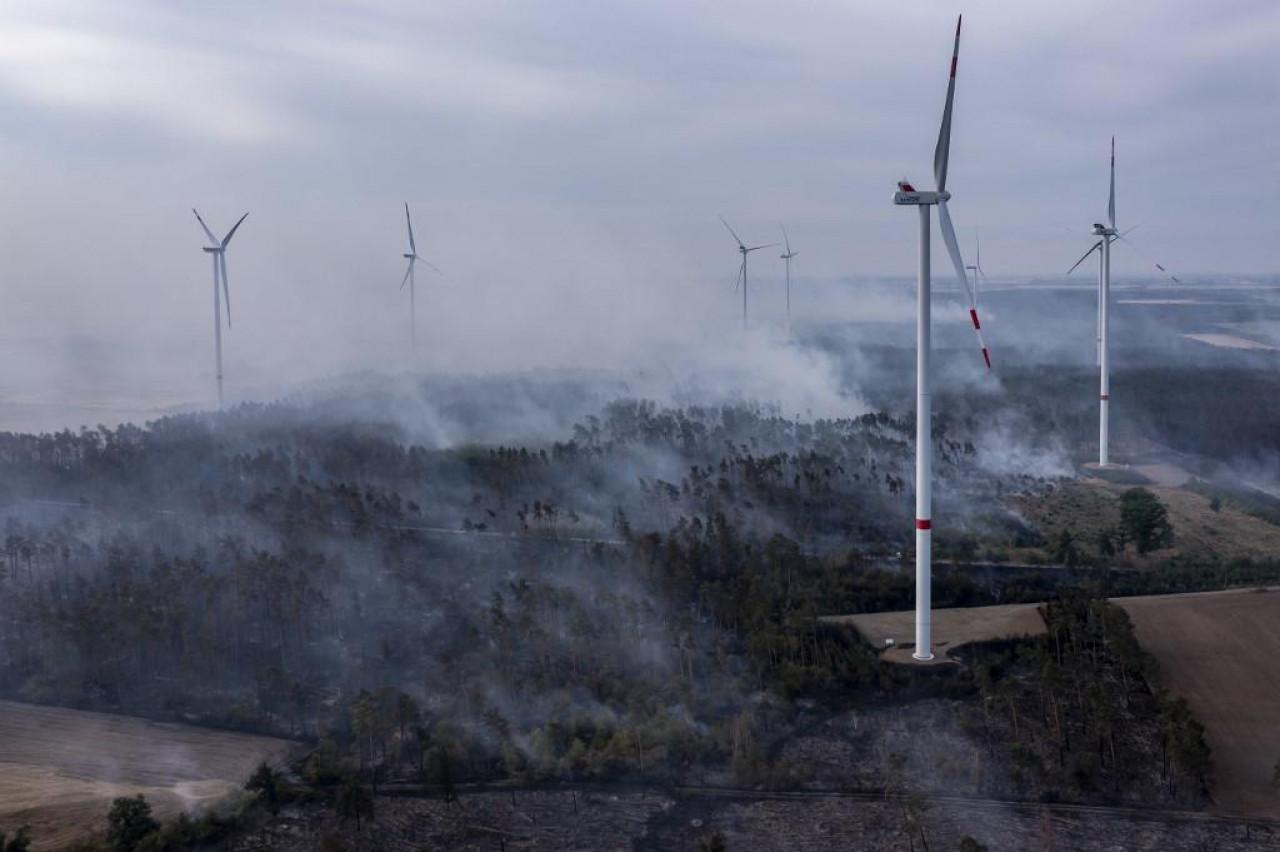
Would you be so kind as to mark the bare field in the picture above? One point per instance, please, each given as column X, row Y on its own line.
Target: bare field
column 1221, row 652
column 1229, row 341
column 60, row 769
column 951, row 627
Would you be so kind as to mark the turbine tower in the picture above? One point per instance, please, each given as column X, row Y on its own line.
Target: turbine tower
column 218, row 251
column 787, row 255
column 742, row 270
column 909, row 195
column 412, row 256
column 1107, row 234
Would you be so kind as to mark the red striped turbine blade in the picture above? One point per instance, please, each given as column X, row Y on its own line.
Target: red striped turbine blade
column 957, row 263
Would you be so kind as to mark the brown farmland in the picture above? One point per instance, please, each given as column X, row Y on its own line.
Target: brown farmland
column 60, row 769
column 1221, row 652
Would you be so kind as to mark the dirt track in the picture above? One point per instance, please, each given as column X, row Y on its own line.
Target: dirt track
column 1221, row 652
column 60, row 769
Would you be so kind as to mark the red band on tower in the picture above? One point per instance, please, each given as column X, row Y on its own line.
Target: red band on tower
column 1104, row 397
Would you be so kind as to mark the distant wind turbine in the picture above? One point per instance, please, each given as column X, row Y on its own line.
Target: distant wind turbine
column 976, row 266
column 742, row 270
column 412, row 256
column 1107, row 234
column 787, row 255
column 909, row 195
column 218, row 251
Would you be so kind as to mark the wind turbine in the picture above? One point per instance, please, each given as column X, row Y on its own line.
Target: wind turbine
column 787, row 255
column 742, row 270
column 1107, row 234
column 412, row 256
column 909, row 195
column 976, row 266
column 218, row 251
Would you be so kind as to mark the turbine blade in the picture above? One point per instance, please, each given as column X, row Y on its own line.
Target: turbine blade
column 1111, row 198
column 742, row 271
column 407, row 270
column 735, row 235
column 957, row 263
column 756, row 248
column 208, row 233
column 232, row 232
column 785, row 238
column 1143, row 255
column 226, row 292
column 1085, row 256
column 942, row 150
column 413, row 248
column 433, row 267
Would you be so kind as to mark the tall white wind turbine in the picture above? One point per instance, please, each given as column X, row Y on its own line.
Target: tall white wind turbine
column 909, row 195
column 744, row 250
column 786, row 256
column 412, row 256
column 1106, row 234
column 218, row 251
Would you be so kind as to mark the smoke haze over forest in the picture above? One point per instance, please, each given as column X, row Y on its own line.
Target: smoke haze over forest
column 566, row 175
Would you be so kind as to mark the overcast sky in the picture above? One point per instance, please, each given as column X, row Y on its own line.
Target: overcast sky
column 570, row 158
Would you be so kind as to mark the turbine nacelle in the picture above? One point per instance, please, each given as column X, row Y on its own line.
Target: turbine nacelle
column 907, row 194
column 1100, row 230
column 213, row 249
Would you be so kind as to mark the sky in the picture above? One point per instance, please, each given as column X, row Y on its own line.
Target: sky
column 566, row 162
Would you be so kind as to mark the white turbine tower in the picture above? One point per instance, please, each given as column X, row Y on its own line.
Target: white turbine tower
column 786, row 256
column 908, row 195
column 412, row 256
column 218, row 251
column 1107, row 234
column 744, row 250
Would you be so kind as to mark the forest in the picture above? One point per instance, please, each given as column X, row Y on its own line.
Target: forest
column 637, row 600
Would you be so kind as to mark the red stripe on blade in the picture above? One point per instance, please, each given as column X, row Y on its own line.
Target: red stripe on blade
column 924, row 524
column 986, row 356
column 973, row 315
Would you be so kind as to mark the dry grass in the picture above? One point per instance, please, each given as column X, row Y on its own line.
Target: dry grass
column 952, row 628
column 1221, row 652
column 60, row 769
column 1090, row 505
